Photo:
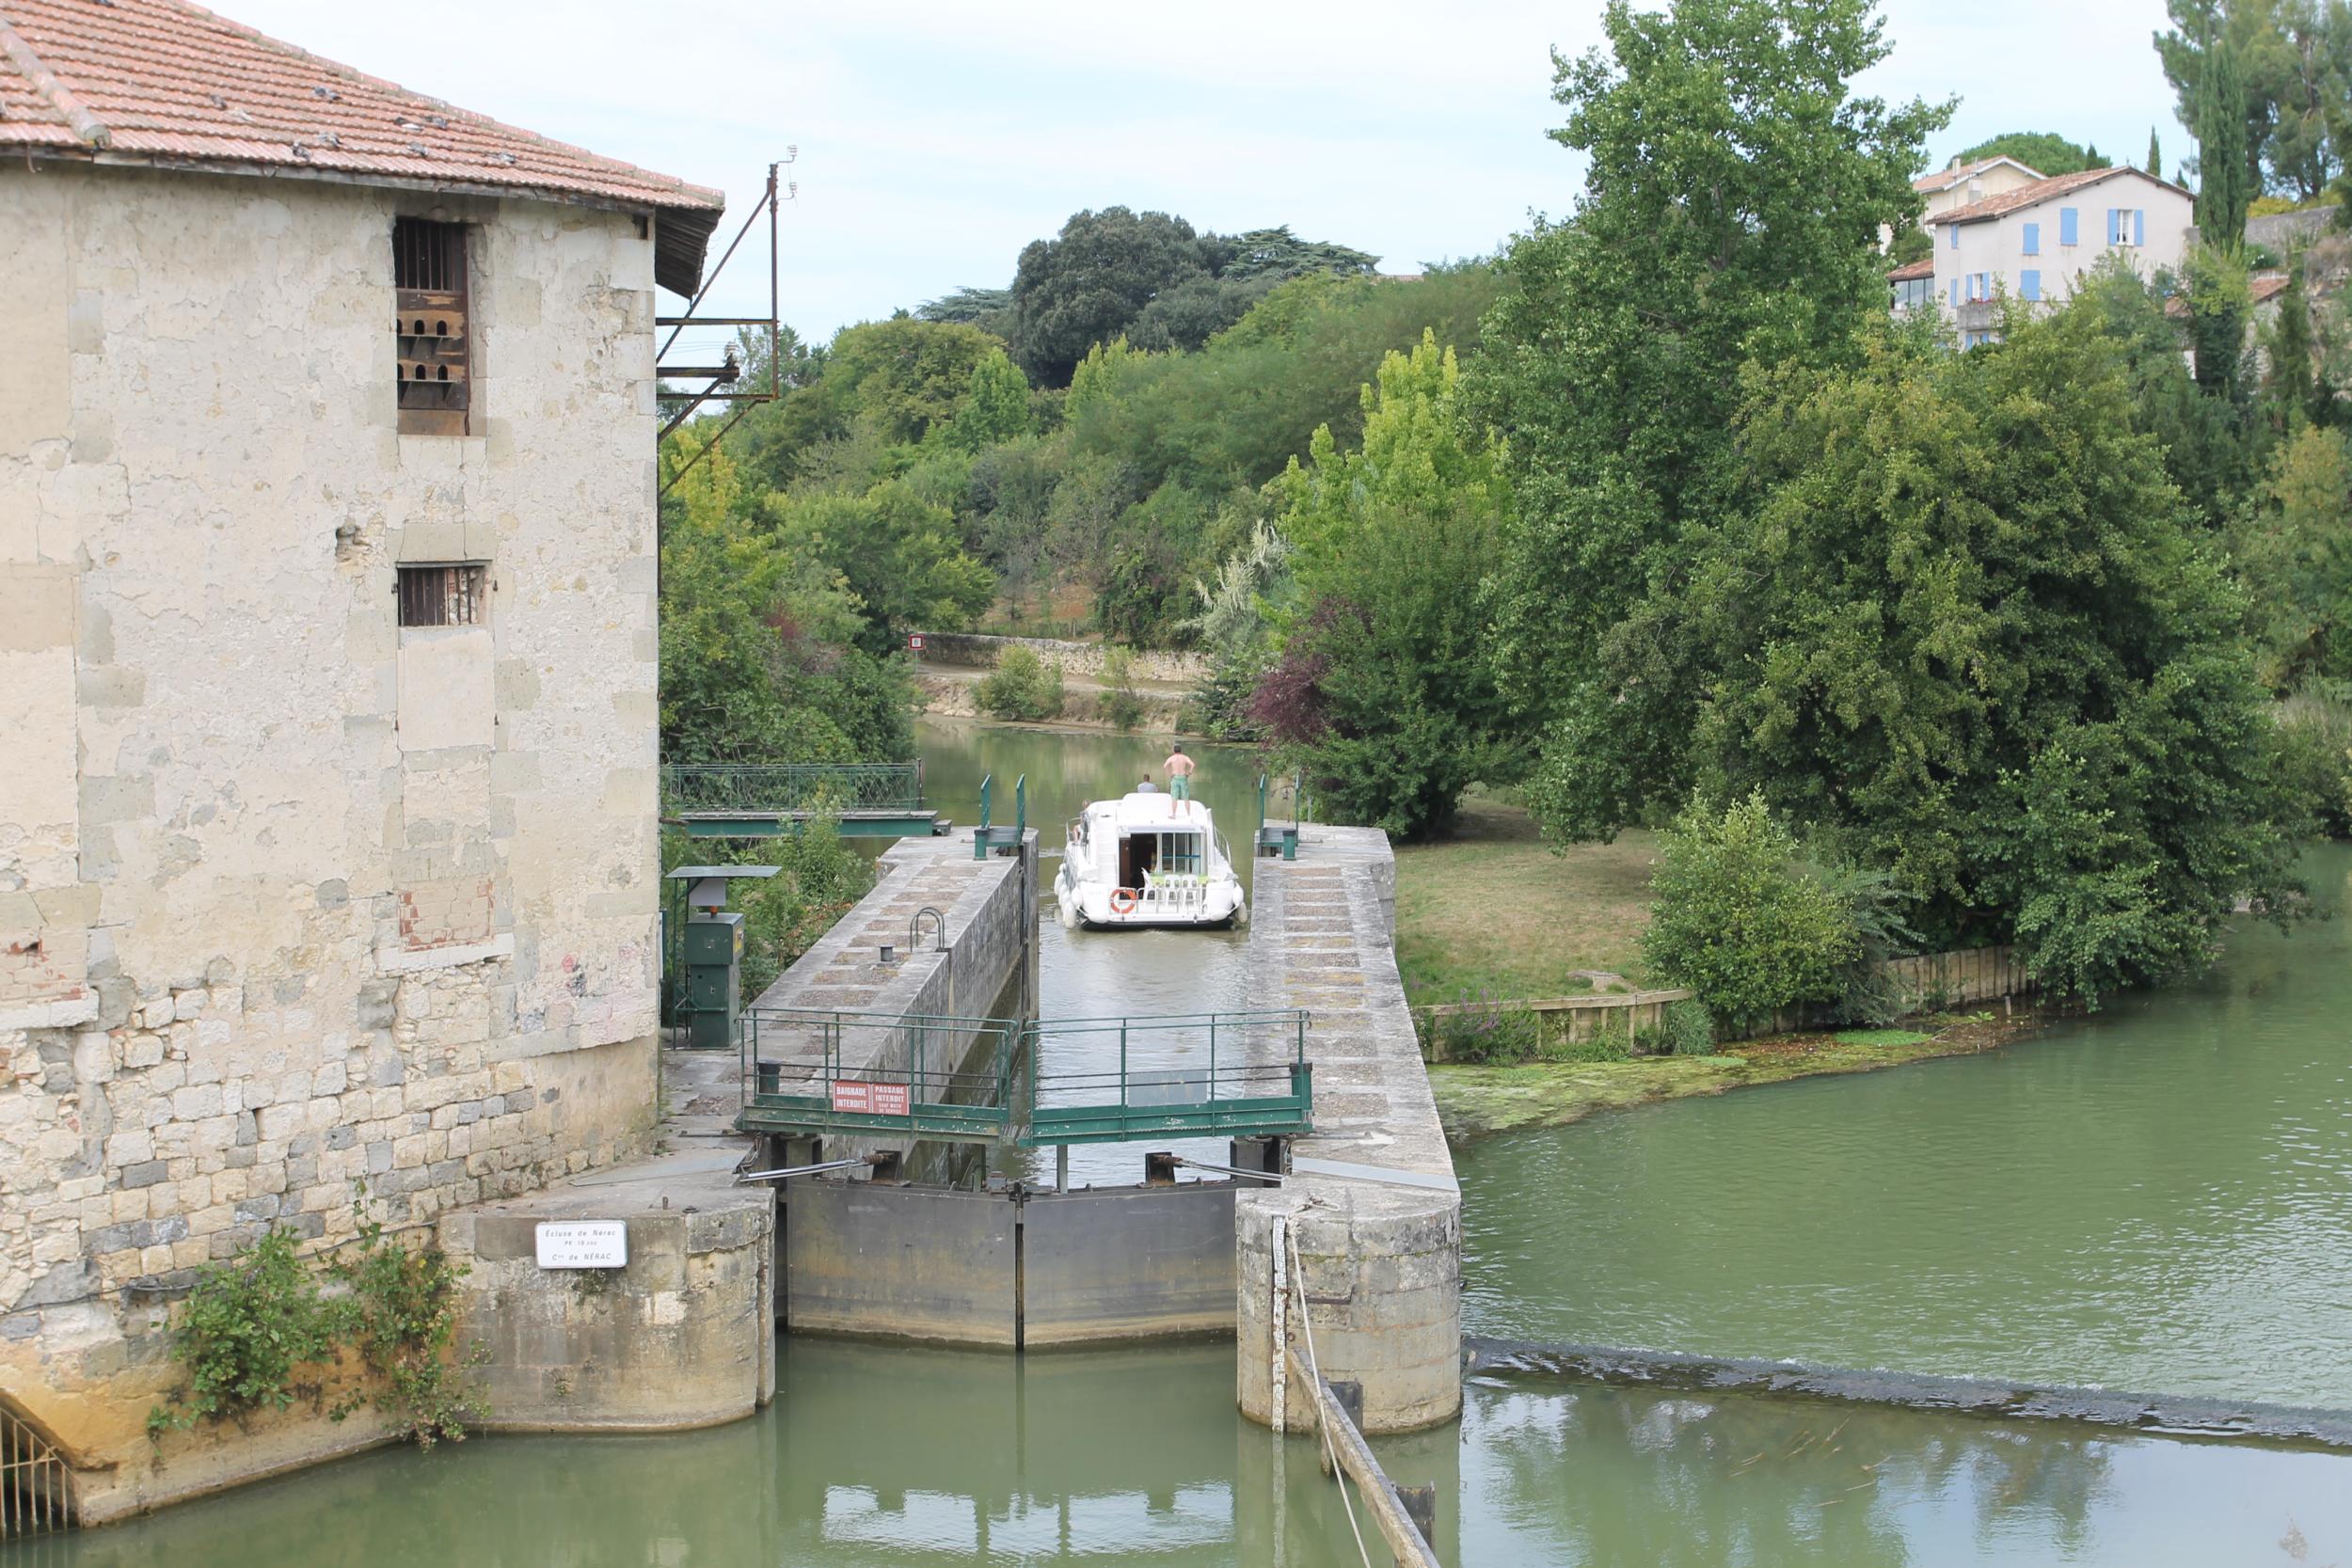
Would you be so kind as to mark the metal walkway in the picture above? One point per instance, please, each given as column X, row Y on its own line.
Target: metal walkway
column 978, row 1080
column 770, row 799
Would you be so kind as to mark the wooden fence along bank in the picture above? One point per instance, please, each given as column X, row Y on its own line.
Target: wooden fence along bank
column 1926, row 984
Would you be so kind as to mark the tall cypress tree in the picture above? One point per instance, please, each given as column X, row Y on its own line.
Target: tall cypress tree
column 2224, row 187
column 2155, row 155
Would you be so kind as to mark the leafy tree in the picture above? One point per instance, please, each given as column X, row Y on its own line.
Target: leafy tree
column 990, row 309
column 1750, row 232
column 2291, row 393
column 1739, row 917
column 1384, row 694
column 2044, row 151
column 884, row 383
column 2293, row 546
column 1969, row 632
column 755, row 661
column 899, row 554
column 1084, row 286
column 1912, row 244
column 2215, row 288
column 2208, row 449
column 1277, row 255
column 995, row 406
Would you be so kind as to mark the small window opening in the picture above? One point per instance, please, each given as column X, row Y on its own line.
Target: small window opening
column 429, row 286
column 441, row 595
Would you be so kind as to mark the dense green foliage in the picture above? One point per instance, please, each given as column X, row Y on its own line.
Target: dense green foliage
column 1147, row 278
column 2042, row 643
column 1384, row 694
column 1022, row 687
column 1968, row 628
column 2044, row 151
column 818, row 878
column 1615, row 369
column 760, row 655
column 2291, row 65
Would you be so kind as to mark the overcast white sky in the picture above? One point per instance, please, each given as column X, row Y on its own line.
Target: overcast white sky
column 936, row 138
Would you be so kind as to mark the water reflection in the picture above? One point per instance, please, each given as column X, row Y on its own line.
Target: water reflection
column 877, row 1455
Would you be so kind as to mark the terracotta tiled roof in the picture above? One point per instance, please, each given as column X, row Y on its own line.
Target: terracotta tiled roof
column 1945, row 179
column 167, row 83
column 2025, row 195
column 1909, row 270
column 2261, row 288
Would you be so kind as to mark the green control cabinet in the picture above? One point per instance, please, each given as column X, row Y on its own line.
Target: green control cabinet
column 714, row 980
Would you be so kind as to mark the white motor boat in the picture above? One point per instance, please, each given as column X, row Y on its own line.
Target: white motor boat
column 1136, row 862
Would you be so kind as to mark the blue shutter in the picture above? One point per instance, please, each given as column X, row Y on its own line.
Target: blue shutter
column 2070, row 226
column 1955, row 293
column 2029, row 284
column 2033, row 238
column 1953, row 230
column 2139, row 226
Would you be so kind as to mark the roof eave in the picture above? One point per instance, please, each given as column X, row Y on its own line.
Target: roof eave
column 681, row 232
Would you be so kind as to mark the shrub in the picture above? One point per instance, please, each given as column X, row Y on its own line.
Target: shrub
column 818, row 878
column 248, row 1326
column 1022, row 687
column 402, row 1317
column 1490, row 1032
column 2315, row 735
column 1741, row 919
column 1122, row 704
column 1690, row 1028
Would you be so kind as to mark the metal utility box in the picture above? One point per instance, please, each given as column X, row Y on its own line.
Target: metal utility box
column 714, row 979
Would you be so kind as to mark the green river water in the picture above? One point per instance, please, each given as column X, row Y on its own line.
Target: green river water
column 2156, row 1198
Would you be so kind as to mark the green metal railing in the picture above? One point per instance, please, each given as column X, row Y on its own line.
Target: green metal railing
column 985, row 838
column 788, row 787
column 1200, row 1073
column 982, row 1080
column 928, row 1075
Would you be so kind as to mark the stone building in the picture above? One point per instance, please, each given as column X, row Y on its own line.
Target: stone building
column 327, row 759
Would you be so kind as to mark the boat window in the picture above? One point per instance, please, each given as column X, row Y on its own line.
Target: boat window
column 1181, row 852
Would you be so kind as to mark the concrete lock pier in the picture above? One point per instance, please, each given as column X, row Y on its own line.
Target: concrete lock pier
column 1371, row 1217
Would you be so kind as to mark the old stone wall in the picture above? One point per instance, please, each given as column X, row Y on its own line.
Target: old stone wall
column 292, row 897
column 1076, row 658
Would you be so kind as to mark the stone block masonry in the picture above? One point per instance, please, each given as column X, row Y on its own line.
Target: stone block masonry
column 293, row 897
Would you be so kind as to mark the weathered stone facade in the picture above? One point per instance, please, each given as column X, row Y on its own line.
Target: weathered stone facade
column 292, row 897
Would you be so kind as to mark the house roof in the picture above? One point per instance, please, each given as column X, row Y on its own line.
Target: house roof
column 169, row 84
column 1909, row 270
column 1945, row 179
column 2261, row 288
column 2031, row 196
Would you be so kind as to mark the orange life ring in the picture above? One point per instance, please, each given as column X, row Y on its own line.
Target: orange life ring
column 1131, row 896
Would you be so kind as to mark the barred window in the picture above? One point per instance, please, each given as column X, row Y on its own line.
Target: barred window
column 429, row 299
column 450, row 595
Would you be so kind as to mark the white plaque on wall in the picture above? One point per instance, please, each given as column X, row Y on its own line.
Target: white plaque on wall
column 583, row 1243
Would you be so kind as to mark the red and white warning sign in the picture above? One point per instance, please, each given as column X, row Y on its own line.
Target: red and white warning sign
column 868, row 1098
column 914, row 641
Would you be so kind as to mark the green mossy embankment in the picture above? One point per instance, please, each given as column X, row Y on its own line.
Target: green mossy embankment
column 1477, row 1100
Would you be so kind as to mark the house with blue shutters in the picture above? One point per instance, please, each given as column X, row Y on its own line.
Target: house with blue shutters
column 2037, row 242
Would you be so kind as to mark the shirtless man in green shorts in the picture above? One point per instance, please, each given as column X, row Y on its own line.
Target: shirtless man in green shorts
column 1179, row 769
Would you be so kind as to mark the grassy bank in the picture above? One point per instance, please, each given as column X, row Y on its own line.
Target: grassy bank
column 1478, row 1100
column 1492, row 911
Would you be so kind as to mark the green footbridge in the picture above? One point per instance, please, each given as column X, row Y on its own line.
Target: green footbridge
column 771, row 799
column 983, row 1080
